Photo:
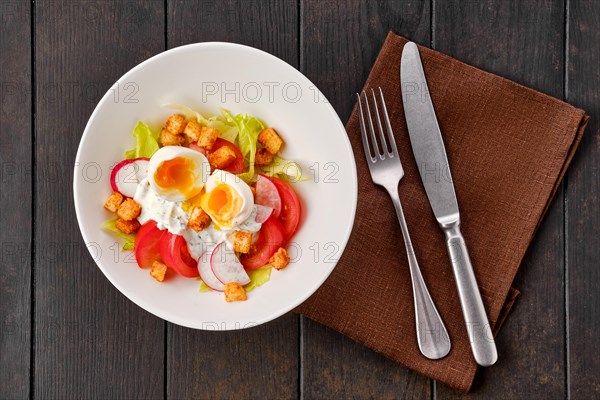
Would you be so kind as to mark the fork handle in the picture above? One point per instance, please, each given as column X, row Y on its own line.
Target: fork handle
column 432, row 336
column 478, row 327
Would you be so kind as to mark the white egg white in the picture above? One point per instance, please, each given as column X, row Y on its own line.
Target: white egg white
column 201, row 170
column 241, row 188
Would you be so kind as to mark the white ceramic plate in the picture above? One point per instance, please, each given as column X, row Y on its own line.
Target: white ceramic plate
column 207, row 76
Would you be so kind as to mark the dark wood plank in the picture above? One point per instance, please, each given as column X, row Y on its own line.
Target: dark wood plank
column 261, row 362
column 340, row 43
column 15, row 197
column 90, row 341
column 522, row 41
column 583, row 204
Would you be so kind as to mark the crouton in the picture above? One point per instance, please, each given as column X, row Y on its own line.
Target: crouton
column 158, row 271
column 192, row 130
column 208, row 136
column 113, row 202
column 198, row 219
column 129, row 210
column 166, row 138
column 175, row 124
column 127, row 227
column 221, row 158
column 270, row 140
column 263, row 157
column 234, row 292
column 241, row 241
column 280, row 259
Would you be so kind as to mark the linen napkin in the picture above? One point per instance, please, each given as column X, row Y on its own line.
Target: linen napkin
column 508, row 148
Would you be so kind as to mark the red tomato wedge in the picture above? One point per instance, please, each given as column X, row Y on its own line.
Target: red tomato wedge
column 236, row 167
column 147, row 243
column 174, row 252
column 290, row 207
column 270, row 238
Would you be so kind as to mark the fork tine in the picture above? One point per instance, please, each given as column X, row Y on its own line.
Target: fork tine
column 379, row 126
column 371, row 128
column 388, row 125
column 363, row 130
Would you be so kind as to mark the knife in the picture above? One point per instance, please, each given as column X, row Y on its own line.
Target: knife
column 430, row 154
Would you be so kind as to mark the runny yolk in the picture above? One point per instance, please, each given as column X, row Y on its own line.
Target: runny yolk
column 177, row 173
column 222, row 204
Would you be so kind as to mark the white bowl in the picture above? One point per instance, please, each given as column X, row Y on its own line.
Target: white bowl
column 207, row 76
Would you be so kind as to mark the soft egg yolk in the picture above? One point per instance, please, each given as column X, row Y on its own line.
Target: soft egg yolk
column 177, row 174
column 222, row 204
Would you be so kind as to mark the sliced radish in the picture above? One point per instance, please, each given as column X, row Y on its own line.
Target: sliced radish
column 126, row 175
column 262, row 213
column 267, row 194
column 226, row 266
column 206, row 272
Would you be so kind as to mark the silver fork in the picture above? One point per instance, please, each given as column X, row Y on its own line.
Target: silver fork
column 386, row 171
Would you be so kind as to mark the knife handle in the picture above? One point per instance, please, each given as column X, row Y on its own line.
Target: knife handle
column 478, row 326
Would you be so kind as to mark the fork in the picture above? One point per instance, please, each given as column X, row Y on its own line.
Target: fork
column 386, row 171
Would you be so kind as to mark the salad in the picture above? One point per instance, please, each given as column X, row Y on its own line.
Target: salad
column 208, row 199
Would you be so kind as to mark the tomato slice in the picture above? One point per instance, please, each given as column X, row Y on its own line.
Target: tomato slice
column 236, row 166
column 174, row 252
column 270, row 238
column 290, row 207
column 147, row 241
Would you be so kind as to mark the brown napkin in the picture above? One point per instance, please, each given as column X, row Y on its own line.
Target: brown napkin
column 508, row 148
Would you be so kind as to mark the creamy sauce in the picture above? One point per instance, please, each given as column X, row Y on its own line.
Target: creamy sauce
column 170, row 215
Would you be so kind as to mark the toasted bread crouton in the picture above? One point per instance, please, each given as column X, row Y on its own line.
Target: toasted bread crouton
column 113, row 202
column 234, row 292
column 221, row 158
column 280, row 259
column 263, row 157
column 175, row 124
column 158, row 271
column 192, row 130
column 270, row 140
column 198, row 219
column 166, row 138
column 208, row 136
column 241, row 241
column 127, row 227
column 129, row 210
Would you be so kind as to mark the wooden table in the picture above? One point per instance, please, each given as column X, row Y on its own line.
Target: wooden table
column 68, row 333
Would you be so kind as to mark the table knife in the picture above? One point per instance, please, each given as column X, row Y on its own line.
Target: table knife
column 430, row 155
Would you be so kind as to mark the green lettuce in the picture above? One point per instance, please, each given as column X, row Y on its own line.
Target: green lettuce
column 284, row 169
column 258, row 277
column 248, row 129
column 145, row 142
column 129, row 238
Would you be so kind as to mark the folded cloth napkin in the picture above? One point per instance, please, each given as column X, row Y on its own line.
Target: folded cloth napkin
column 508, row 147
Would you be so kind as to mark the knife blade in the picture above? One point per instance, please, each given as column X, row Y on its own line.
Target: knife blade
column 434, row 169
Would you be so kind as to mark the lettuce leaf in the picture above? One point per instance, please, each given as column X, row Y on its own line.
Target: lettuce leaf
column 129, row 238
column 284, row 169
column 145, row 142
column 248, row 129
column 259, row 277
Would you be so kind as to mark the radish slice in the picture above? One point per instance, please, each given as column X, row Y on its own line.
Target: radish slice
column 206, row 272
column 126, row 175
column 267, row 194
column 226, row 266
column 262, row 213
